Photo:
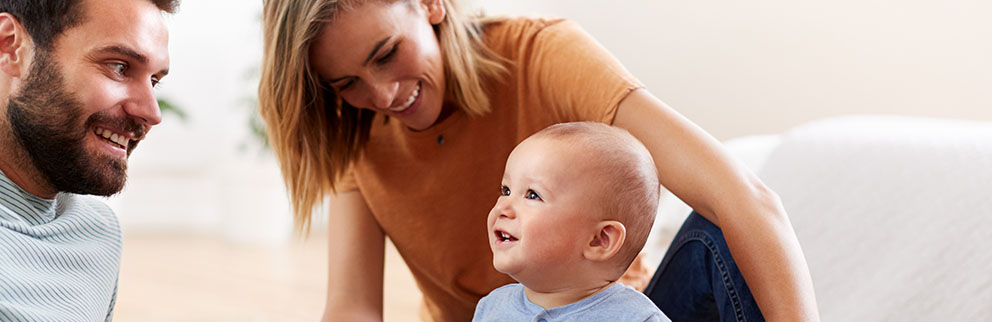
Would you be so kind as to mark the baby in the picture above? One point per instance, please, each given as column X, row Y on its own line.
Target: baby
column 576, row 204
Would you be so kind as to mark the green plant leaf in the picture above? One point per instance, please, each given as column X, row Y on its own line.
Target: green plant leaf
column 168, row 108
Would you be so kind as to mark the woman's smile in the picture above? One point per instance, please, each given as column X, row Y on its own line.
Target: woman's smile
column 407, row 107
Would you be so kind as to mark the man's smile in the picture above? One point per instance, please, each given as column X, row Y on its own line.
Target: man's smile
column 119, row 139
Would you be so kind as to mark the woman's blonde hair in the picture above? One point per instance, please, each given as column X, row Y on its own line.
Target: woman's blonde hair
column 315, row 134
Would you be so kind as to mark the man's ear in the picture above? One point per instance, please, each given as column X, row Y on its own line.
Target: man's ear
column 609, row 237
column 15, row 46
column 435, row 10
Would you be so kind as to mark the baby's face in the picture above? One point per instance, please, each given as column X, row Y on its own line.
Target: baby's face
column 543, row 216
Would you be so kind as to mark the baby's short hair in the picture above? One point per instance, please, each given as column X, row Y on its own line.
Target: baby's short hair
column 630, row 175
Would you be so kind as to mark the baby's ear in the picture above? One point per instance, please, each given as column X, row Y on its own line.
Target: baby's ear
column 609, row 236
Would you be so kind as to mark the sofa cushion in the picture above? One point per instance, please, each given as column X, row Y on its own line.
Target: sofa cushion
column 894, row 215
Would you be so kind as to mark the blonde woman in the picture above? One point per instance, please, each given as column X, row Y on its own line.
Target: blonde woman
column 404, row 112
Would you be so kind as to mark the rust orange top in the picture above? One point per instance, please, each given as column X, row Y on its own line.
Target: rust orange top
column 431, row 191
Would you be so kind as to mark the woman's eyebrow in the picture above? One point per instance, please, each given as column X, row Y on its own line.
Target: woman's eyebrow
column 376, row 49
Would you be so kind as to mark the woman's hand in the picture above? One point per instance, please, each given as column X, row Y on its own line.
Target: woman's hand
column 356, row 249
column 692, row 165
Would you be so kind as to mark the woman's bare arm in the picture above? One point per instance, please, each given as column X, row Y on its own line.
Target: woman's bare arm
column 356, row 250
column 693, row 165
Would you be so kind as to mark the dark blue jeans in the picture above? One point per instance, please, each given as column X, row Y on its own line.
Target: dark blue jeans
column 698, row 279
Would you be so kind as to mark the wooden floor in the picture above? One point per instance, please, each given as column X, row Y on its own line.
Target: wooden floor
column 200, row 278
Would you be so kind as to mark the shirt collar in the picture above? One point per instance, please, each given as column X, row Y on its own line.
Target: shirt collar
column 33, row 209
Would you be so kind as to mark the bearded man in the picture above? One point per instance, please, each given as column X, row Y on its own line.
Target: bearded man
column 76, row 79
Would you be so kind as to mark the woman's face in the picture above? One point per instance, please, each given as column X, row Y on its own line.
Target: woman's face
column 384, row 56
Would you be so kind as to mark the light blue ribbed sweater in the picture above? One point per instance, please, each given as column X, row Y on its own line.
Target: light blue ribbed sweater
column 59, row 258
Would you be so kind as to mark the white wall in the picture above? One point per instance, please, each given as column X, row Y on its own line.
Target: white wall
column 734, row 67
column 749, row 67
column 207, row 174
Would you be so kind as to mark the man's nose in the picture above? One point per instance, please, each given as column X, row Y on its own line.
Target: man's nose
column 143, row 105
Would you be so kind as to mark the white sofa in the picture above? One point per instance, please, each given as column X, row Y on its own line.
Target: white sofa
column 894, row 214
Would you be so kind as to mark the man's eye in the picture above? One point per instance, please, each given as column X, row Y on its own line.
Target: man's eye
column 504, row 191
column 533, row 195
column 117, row 68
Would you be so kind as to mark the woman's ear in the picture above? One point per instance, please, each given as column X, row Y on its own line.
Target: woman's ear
column 435, row 10
column 15, row 46
column 609, row 237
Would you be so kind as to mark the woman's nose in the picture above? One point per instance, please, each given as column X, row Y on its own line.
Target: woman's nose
column 383, row 94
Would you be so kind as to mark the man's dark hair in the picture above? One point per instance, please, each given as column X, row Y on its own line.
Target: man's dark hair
column 45, row 20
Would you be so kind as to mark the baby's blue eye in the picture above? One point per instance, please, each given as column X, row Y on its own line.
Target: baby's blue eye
column 504, row 191
column 533, row 195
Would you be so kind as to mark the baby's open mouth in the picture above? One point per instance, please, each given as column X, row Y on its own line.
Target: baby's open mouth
column 504, row 236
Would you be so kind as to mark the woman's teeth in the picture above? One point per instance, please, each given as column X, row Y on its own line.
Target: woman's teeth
column 112, row 137
column 410, row 100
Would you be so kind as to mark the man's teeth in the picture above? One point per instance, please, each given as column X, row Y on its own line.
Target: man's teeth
column 112, row 137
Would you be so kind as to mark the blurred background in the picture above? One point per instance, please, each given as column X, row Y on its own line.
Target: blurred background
column 208, row 234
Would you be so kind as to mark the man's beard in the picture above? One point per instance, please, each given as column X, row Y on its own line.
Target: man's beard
column 45, row 119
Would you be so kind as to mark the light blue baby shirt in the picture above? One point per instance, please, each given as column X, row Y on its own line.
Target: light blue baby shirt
column 616, row 303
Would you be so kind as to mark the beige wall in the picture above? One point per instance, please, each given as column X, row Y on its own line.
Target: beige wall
column 751, row 67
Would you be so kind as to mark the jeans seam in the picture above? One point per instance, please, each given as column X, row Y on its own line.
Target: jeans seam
column 721, row 266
